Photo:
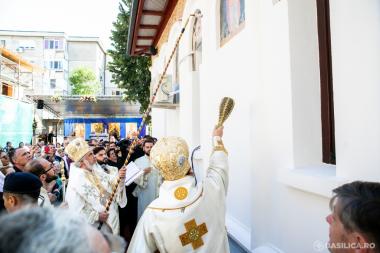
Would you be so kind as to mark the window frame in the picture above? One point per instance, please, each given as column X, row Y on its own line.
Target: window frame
column 55, row 83
column 326, row 82
column 56, row 44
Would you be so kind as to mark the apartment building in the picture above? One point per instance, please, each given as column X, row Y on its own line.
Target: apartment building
column 87, row 52
column 59, row 55
column 47, row 50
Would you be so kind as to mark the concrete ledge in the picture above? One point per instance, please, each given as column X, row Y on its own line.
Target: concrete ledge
column 320, row 180
column 239, row 232
column 267, row 248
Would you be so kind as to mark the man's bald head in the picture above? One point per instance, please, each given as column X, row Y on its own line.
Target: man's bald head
column 42, row 168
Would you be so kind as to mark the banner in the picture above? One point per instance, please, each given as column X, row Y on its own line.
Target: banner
column 16, row 119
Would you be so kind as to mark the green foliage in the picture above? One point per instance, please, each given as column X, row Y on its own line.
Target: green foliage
column 130, row 73
column 83, row 82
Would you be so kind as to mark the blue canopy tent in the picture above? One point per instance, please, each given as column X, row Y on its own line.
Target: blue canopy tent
column 94, row 117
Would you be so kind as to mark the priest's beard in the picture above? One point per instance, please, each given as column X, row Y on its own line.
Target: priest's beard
column 87, row 165
column 102, row 162
column 50, row 178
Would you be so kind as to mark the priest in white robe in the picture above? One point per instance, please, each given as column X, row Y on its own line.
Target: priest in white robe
column 185, row 217
column 148, row 184
column 89, row 188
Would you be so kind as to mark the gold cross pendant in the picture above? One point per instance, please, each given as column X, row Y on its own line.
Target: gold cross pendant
column 193, row 234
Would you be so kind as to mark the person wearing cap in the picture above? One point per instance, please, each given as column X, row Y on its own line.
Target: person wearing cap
column 187, row 216
column 21, row 190
column 90, row 188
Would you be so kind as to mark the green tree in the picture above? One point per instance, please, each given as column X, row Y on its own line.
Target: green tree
column 128, row 72
column 84, row 82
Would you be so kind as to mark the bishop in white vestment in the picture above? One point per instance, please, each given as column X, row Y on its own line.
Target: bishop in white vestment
column 185, row 217
column 89, row 188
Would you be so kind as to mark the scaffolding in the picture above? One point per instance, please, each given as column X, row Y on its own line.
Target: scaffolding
column 16, row 74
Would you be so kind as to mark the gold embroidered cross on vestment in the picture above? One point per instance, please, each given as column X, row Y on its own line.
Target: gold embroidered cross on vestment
column 193, row 234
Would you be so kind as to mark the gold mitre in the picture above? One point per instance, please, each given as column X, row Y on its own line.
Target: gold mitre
column 170, row 155
column 77, row 149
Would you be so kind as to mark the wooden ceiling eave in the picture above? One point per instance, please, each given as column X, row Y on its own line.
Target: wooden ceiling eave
column 170, row 5
column 137, row 25
column 153, row 13
column 165, row 15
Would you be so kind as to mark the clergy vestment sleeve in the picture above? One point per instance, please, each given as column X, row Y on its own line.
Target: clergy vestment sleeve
column 143, row 240
column 122, row 195
column 84, row 208
column 217, row 172
column 142, row 180
column 143, row 163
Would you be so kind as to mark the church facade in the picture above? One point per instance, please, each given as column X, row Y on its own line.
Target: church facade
column 305, row 80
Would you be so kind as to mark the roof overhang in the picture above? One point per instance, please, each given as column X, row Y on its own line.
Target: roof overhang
column 147, row 22
column 72, row 106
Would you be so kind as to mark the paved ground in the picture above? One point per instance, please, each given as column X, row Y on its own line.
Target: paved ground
column 235, row 248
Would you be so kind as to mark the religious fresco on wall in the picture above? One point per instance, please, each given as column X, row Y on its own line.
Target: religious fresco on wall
column 114, row 128
column 97, row 128
column 130, row 128
column 79, row 130
column 232, row 18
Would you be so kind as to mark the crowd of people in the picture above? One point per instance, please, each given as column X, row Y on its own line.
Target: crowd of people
column 73, row 198
column 35, row 176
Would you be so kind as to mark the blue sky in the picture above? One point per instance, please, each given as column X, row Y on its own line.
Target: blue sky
column 75, row 17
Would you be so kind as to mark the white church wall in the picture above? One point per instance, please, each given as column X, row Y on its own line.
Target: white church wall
column 165, row 122
column 190, row 116
column 279, row 189
column 305, row 82
column 189, row 97
column 355, row 39
column 304, row 210
column 228, row 71
column 288, row 135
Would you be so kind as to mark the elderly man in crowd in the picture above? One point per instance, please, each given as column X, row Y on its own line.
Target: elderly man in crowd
column 50, row 230
column 19, row 158
column 355, row 218
column 89, row 189
column 21, row 190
